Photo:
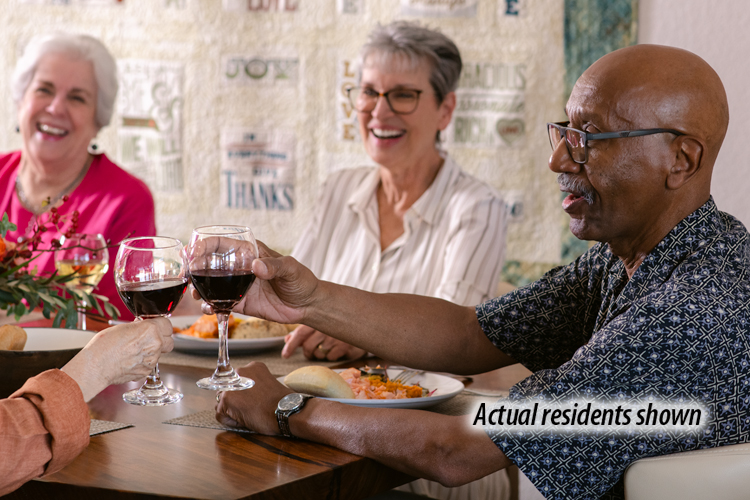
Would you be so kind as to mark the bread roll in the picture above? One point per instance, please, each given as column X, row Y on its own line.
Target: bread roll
column 256, row 328
column 12, row 338
column 319, row 381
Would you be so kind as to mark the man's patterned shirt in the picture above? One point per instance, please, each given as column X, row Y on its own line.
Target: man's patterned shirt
column 678, row 330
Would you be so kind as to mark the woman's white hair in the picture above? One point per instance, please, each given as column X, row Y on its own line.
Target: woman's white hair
column 85, row 47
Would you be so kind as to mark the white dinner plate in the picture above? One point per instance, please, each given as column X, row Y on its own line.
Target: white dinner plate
column 188, row 343
column 55, row 339
column 444, row 388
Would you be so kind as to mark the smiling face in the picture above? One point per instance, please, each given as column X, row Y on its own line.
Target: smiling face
column 57, row 113
column 620, row 193
column 401, row 141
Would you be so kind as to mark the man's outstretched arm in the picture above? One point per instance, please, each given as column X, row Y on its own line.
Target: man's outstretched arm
column 422, row 332
column 438, row 447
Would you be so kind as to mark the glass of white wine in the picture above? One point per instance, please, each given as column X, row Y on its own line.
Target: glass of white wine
column 85, row 256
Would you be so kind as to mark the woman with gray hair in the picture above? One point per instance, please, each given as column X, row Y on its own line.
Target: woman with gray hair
column 64, row 87
column 416, row 223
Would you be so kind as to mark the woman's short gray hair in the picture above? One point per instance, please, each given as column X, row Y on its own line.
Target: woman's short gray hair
column 418, row 44
column 87, row 48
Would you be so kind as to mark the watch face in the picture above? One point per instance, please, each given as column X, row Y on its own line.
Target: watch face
column 290, row 401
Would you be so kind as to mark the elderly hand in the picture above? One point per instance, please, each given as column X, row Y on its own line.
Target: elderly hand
column 283, row 291
column 120, row 354
column 254, row 408
column 317, row 345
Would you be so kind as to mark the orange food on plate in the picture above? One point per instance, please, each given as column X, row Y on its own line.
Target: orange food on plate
column 372, row 387
column 207, row 327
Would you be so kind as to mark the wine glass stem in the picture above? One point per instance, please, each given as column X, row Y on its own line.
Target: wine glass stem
column 153, row 381
column 82, row 315
column 223, row 365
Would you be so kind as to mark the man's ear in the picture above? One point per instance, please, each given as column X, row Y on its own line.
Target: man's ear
column 687, row 161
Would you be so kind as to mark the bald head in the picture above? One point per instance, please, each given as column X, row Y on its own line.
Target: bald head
column 654, row 86
column 630, row 191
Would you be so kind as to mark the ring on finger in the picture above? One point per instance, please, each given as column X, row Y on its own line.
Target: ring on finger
column 323, row 349
column 218, row 396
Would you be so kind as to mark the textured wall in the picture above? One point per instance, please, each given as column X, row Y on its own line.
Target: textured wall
column 300, row 102
column 718, row 32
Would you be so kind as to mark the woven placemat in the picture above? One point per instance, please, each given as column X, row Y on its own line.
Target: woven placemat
column 103, row 426
column 205, row 419
column 277, row 365
column 462, row 404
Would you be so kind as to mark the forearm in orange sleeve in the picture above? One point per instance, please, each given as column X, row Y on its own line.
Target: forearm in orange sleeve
column 43, row 427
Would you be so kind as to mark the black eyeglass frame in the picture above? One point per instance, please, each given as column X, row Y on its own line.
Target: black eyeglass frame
column 383, row 94
column 563, row 126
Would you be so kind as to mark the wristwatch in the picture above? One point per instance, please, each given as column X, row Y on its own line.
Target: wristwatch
column 288, row 406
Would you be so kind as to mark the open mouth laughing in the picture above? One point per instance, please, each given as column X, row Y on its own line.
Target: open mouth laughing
column 380, row 133
column 50, row 130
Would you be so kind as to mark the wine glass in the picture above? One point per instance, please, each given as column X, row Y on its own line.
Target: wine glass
column 151, row 277
column 85, row 256
column 220, row 260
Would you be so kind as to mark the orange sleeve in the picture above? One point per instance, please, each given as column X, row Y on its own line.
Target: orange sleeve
column 43, row 426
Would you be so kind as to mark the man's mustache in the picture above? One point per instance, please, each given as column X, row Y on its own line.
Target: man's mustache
column 575, row 186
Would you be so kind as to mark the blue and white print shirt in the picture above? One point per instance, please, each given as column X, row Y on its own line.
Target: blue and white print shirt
column 678, row 330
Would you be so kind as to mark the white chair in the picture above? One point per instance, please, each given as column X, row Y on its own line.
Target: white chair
column 721, row 473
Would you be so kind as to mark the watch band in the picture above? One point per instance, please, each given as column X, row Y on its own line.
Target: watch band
column 283, row 414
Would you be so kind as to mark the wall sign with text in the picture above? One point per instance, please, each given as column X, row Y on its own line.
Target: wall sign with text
column 149, row 136
column 260, row 70
column 490, row 102
column 72, row 2
column 346, row 116
column 262, row 5
column 257, row 169
column 439, row 8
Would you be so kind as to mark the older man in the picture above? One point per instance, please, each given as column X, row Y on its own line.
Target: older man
column 659, row 308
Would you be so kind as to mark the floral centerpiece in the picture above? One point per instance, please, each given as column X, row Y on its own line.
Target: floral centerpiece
column 23, row 290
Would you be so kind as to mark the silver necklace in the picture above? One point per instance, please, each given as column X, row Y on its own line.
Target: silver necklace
column 53, row 201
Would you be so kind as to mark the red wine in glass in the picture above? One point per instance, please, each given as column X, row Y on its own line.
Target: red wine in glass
column 220, row 260
column 222, row 289
column 153, row 298
column 151, row 277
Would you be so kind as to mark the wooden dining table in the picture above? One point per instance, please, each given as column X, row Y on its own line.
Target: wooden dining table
column 153, row 459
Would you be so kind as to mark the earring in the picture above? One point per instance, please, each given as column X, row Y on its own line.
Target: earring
column 92, row 148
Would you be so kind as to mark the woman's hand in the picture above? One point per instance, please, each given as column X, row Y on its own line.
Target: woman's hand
column 120, row 354
column 316, row 345
column 282, row 293
column 254, row 408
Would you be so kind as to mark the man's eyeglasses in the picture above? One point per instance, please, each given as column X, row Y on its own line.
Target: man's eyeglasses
column 577, row 141
column 401, row 101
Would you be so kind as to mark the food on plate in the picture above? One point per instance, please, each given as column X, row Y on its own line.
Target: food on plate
column 371, row 386
column 319, row 381
column 12, row 338
column 256, row 328
column 207, row 327
column 352, row 383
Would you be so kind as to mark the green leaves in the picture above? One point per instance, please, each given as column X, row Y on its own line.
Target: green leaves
column 6, row 225
column 20, row 294
column 22, row 291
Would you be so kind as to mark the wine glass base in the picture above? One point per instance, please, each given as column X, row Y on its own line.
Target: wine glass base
column 235, row 383
column 140, row 398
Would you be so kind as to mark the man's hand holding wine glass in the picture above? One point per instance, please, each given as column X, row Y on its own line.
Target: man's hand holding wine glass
column 284, row 289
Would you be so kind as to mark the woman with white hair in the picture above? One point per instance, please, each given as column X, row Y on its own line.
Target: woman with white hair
column 64, row 87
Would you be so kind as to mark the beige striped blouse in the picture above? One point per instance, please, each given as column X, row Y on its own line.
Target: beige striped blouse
column 452, row 247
